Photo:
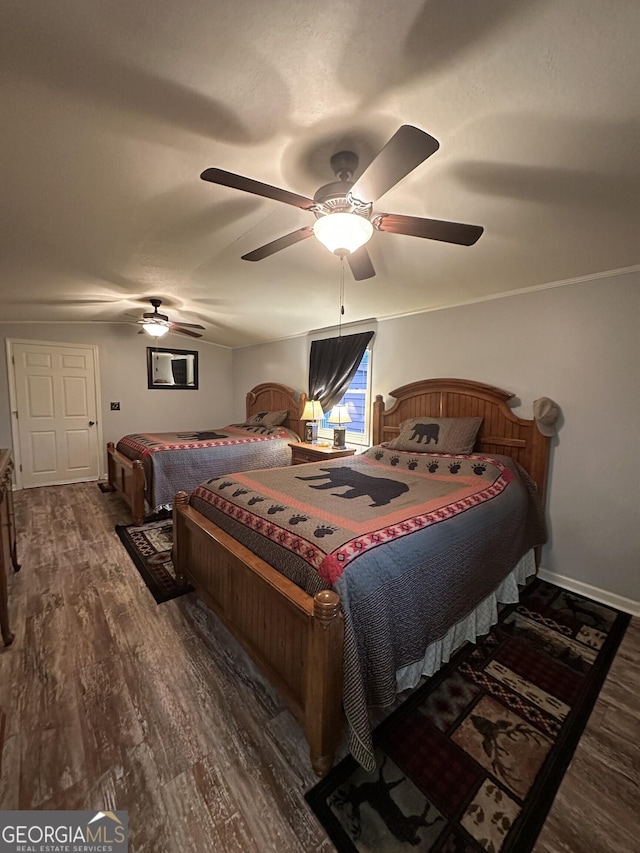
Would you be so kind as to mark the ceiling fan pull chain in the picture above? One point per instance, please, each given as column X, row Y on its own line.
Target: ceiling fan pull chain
column 341, row 295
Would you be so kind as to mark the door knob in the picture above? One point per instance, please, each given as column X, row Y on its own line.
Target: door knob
column 91, row 423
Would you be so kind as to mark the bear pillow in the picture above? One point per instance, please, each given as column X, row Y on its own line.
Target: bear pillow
column 267, row 418
column 437, row 435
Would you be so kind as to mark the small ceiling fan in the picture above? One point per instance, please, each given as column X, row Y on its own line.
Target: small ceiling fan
column 157, row 325
column 345, row 219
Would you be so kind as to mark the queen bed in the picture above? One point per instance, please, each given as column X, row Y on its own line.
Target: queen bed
column 386, row 561
column 147, row 469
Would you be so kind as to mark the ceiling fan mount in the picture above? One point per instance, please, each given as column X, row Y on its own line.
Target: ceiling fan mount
column 343, row 209
column 157, row 325
column 344, row 165
column 336, row 196
column 155, row 315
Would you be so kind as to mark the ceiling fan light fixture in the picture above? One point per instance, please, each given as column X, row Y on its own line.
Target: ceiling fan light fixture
column 156, row 328
column 342, row 232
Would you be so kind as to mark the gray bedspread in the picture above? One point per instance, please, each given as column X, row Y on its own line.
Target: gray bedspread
column 175, row 461
column 412, row 543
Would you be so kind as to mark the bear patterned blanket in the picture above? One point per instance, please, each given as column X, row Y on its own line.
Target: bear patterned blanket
column 180, row 460
column 412, row 543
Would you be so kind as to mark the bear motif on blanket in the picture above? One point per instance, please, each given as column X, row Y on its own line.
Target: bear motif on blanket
column 381, row 490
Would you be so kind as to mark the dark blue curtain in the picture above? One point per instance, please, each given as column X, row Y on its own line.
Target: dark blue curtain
column 332, row 365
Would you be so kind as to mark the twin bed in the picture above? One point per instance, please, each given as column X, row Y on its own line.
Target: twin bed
column 147, row 469
column 386, row 561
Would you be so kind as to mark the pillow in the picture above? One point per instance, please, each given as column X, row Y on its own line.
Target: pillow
column 267, row 418
column 437, row 435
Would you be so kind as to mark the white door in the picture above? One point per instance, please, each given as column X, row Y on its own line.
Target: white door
column 57, row 408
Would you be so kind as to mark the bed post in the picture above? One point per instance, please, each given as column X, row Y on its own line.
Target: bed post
column 111, row 466
column 378, row 412
column 180, row 502
column 137, row 502
column 323, row 701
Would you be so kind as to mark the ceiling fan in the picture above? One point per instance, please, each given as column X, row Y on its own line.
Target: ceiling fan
column 157, row 325
column 344, row 213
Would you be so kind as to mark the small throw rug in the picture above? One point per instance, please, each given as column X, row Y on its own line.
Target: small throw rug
column 472, row 760
column 149, row 546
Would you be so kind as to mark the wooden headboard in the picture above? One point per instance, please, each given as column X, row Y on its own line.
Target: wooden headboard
column 500, row 432
column 272, row 397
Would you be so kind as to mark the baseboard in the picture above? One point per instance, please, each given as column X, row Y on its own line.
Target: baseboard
column 627, row 605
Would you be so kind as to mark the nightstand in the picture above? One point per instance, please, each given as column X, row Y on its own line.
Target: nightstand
column 302, row 452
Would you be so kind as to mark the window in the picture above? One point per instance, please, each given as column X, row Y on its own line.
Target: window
column 356, row 399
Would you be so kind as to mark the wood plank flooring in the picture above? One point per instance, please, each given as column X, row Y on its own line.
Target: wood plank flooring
column 113, row 702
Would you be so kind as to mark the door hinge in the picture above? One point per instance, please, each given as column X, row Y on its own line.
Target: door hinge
column 21, row 467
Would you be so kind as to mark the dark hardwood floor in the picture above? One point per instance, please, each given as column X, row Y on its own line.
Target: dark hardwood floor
column 114, row 702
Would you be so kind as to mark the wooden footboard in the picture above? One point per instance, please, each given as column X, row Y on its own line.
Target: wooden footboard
column 295, row 639
column 126, row 476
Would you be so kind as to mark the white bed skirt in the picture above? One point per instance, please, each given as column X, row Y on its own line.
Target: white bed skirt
column 477, row 623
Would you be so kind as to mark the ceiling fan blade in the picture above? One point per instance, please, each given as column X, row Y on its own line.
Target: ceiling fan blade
column 188, row 325
column 280, row 243
column 408, row 147
column 248, row 185
column 179, row 330
column 360, row 264
column 431, row 229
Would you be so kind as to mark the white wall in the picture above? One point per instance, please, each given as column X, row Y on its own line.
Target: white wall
column 578, row 344
column 122, row 355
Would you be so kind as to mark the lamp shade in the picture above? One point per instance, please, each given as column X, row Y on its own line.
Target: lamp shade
column 342, row 232
column 312, row 411
column 156, row 329
column 339, row 415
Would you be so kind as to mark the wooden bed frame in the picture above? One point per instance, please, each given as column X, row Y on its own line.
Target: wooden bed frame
column 500, row 432
column 297, row 639
column 126, row 476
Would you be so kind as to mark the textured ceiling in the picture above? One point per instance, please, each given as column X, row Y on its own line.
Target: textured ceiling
column 110, row 111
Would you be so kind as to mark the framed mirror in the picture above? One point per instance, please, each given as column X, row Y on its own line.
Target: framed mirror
column 176, row 369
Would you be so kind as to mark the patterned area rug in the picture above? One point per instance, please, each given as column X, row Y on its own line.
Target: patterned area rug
column 473, row 759
column 149, row 546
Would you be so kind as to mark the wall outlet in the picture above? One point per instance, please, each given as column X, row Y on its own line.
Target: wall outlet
column 115, row 407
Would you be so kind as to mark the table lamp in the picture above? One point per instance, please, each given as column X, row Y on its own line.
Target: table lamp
column 312, row 414
column 339, row 415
